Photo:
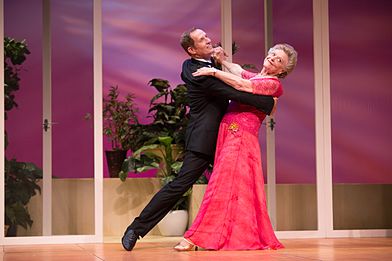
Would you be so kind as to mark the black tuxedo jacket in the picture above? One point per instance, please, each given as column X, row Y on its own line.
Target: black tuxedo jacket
column 208, row 100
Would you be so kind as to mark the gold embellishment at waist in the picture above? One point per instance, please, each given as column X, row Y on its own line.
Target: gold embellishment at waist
column 234, row 127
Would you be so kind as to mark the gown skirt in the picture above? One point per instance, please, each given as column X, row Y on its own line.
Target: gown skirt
column 233, row 214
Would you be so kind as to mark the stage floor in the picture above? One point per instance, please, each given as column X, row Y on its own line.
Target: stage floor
column 160, row 249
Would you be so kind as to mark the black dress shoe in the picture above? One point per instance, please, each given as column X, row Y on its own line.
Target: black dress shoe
column 129, row 239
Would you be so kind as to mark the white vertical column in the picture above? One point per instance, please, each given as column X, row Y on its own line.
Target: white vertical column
column 2, row 172
column 226, row 28
column 98, row 132
column 47, row 114
column 323, row 116
column 270, row 120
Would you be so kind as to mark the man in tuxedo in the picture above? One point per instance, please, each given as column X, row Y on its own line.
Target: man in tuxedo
column 208, row 100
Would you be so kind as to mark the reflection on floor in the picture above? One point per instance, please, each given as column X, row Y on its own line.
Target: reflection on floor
column 159, row 248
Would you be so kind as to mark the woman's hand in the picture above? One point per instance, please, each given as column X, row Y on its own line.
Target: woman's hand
column 205, row 71
column 219, row 55
column 275, row 106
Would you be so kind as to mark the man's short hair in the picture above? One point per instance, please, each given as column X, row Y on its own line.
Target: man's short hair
column 186, row 39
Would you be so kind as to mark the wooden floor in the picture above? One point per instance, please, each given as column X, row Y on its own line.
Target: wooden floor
column 161, row 250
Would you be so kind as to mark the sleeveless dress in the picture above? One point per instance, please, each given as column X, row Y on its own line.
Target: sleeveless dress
column 233, row 214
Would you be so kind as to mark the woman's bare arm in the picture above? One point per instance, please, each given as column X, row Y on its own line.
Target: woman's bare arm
column 233, row 68
column 231, row 79
column 220, row 57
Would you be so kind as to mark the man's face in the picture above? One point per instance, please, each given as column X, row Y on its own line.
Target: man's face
column 203, row 48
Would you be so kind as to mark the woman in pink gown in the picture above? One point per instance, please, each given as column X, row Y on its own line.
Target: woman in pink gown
column 233, row 214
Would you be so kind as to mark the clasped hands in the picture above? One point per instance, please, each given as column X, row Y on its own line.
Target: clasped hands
column 219, row 55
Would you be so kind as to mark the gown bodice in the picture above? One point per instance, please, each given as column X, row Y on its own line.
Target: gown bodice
column 243, row 117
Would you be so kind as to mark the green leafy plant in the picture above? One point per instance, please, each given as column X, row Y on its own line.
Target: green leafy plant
column 20, row 177
column 15, row 53
column 164, row 138
column 120, row 119
column 21, row 184
column 164, row 156
column 169, row 110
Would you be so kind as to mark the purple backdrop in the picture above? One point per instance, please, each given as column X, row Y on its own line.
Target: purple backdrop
column 141, row 42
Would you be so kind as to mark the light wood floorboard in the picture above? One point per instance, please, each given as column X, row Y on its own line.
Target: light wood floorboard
column 159, row 248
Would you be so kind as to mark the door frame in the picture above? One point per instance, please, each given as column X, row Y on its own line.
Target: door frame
column 98, row 142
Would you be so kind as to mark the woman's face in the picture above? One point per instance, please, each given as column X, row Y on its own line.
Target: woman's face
column 276, row 61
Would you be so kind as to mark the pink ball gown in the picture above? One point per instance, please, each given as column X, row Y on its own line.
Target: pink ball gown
column 233, row 214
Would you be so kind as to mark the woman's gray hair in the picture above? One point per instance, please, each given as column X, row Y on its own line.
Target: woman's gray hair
column 292, row 57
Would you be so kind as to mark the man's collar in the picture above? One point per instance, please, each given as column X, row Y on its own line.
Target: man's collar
column 202, row 60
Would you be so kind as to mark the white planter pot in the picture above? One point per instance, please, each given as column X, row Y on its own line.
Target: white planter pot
column 174, row 223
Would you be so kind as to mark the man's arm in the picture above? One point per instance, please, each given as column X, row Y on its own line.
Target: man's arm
column 232, row 80
column 216, row 87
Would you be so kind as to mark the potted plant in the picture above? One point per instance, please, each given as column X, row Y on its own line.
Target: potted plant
column 20, row 177
column 168, row 109
column 163, row 143
column 20, row 185
column 167, row 158
column 120, row 126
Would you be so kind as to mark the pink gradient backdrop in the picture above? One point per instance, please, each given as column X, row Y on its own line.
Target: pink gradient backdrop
column 295, row 135
column 24, row 124
column 361, row 93
column 71, row 34
column 141, row 42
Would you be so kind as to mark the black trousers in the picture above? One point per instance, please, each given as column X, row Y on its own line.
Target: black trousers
column 193, row 167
